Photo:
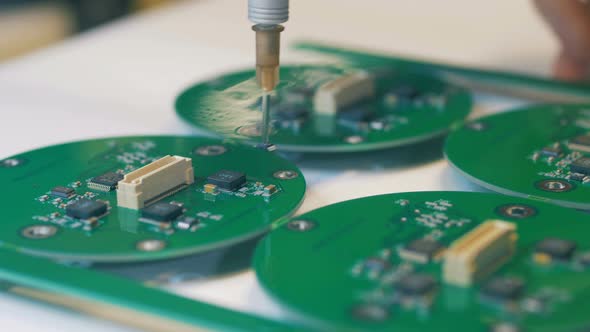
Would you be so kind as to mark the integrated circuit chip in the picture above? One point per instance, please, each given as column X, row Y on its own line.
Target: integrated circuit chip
column 503, row 288
column 105, row 182
column 356, row 113
column 554, row 249
column 581, row 165
column 416, row 284
column 86, row 209
column 580, row 143
column 63, row 192
column 291, row 112
column 228, row 180
column 162, row 212
column 577, row 176
column 552, row 151
column 421, row 250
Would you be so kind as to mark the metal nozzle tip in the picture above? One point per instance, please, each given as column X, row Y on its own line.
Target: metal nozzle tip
column 267, row 77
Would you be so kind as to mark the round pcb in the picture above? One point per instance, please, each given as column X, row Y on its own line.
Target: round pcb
column 540, row 152
column 328, row 108
column 432, row 261
column 142, row 198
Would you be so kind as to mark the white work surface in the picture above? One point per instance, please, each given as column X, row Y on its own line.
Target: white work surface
column 122, row 79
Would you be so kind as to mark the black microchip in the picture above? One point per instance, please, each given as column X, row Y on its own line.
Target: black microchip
column 416, row 284
column 585, row 259
column 503, row 288
column 577, row 176
column 162, row 211
column 63, row 192
column 556, row 248
column 406, row 92
column 291, row 112
column 552, row 151
column 356, row 113
column 422, row 250
column 228, row 180
column 581, row 165
column 86, row 209
column 106, row 182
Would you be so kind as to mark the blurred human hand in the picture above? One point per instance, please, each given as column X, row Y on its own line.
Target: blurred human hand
column 570, row 20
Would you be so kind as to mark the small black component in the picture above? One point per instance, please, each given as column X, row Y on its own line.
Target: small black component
column 356, row 113
column 63, row 192
column 162, row 211
column 86, row 209
column 551, row 151
column 416, row 284
column 577, row 176
column 584, row 259
column 556, row 248
column 291, row 112
column 406, row 92
column 228, row 180
column 376, row 265
column 421, row 250
column 106, row 182
column 581, row 165
column 503, row 288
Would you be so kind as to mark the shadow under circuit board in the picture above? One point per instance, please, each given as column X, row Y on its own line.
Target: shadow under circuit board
column 433, row 261
column 542, row 152
column 323, row 108
column 142, row 198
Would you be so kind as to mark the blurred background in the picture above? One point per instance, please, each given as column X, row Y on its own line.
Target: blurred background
column 27, row 25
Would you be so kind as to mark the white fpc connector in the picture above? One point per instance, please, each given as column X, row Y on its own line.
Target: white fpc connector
column 479, row 253
column 155, row 181
column 333, row 96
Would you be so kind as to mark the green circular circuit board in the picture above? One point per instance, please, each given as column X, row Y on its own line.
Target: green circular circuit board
column 406, row 107
column 541, row 152
column 56, row 202
column 380, row 264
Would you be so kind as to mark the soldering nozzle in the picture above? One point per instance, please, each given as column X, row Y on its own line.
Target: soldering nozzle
column 268, row 46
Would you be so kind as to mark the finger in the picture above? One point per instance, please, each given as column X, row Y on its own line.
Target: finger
column 568, row 68
column 570, row 19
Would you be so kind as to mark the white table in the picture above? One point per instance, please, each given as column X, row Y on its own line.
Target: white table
column 122, row 80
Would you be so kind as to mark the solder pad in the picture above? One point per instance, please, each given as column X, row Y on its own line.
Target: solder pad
column 339, row 266
column 530, row 152
column 36, row 223
column 228, row 106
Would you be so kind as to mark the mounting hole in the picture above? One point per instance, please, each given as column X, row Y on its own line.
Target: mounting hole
column 301, row 225
column 39, row 232
column 354, row 139
column 371, row 313
column 286, row 175
column 12, row 162
column 211, row 150
column 556, row 186
column 151, row 245
column 516, row 211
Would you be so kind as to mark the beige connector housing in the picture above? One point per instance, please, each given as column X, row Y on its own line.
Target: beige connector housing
column 344, row 91
column 155, row 181
column 479, row 252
